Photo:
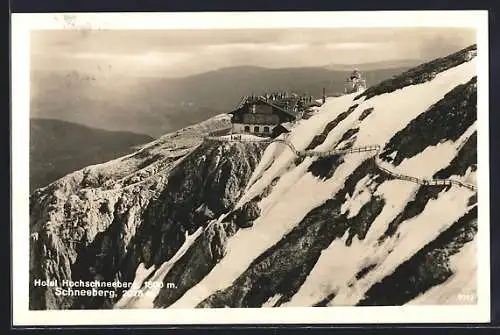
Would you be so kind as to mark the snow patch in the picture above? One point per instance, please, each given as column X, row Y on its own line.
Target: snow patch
column 139, row 296
column 272, row 301
column 412, row 235
column 433, row 158
column 394, row 111
column 246, row 245
column 461, row 287
column 336, row 269
column 359, row 198
column 285, row 183
column 338, row 264
column 272, row 151
column 396, row 193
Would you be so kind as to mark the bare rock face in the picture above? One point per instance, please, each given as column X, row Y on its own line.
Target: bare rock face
column 446, row 120
column 247, row 214
column 197, row 262
column 275, row 272
column 101, row 222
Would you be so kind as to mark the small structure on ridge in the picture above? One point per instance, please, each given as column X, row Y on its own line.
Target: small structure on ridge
column 355, row 82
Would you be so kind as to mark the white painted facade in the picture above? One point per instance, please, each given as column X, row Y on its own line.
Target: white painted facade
column 259, row 129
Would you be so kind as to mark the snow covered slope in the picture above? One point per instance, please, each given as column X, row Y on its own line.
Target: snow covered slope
column 367, row 213
column 324, row 230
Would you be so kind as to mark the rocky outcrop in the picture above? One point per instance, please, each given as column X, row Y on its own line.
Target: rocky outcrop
column 101, row 222
column 320, row 138
column 206, row 252
column 446, row 120
column 365, row 113
column 277, row 272
column 245, row 215
column 429, row 267
column 197, row 262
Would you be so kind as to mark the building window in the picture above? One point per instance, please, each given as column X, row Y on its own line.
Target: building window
column 266, row 129
column 256, row 129
column 247, row 129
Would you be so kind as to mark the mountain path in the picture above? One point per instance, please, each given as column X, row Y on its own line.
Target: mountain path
column 369, row 148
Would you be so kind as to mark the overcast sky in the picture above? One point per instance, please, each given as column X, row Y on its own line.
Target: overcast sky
column 173, row 53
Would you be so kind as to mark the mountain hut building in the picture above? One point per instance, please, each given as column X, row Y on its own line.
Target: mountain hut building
column 259, row 115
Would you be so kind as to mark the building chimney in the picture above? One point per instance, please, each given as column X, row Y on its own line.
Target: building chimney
column 324, row 95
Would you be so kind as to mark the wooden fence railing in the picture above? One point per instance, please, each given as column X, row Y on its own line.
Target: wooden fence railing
column 369, row 148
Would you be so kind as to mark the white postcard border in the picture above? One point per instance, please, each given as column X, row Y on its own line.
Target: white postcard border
column 22, row 24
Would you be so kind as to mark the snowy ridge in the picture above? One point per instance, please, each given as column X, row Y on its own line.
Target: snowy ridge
column 297, row 192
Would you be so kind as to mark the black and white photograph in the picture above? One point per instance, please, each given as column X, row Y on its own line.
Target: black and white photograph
column 263, row 167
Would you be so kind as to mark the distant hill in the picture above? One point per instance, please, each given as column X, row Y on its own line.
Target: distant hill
column 223, row 88
column 59, row 147
column 389, row 64
column 156, row 106
column 118, row 103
